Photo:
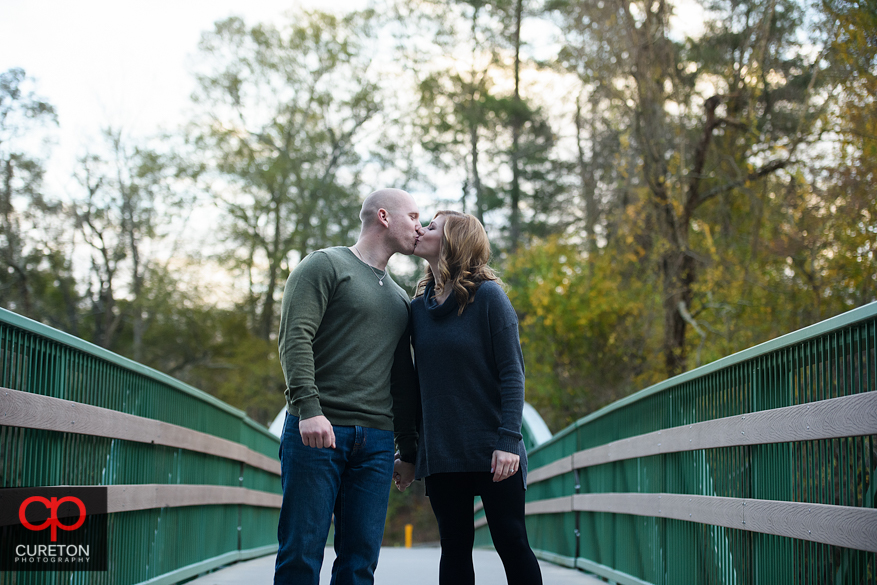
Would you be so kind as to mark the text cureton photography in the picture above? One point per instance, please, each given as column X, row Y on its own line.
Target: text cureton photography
column 50, row 529
column 52, row 553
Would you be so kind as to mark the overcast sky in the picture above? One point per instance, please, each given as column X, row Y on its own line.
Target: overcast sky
column 126, row 63
column 121, row 62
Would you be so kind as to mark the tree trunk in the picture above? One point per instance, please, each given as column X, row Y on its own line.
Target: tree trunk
column 677, row 270
column 517, row 122
column 676, row 267
column 13, row 252
column 473, row 125
column 588, row 183
column 107, row 322
column 137, row 278
column 476, row 178
column 266, row 320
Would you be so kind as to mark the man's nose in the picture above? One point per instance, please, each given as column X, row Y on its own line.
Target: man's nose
column 419, row 229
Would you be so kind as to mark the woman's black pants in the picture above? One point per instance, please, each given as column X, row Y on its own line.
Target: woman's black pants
column 451, row 496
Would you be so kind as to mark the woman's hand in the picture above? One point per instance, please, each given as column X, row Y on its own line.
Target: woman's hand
column 403, row 474
column 503, row 465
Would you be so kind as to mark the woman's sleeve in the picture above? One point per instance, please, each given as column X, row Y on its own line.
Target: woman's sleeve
column 509, row 362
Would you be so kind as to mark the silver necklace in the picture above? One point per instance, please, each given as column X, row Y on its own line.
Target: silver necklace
column 380, row 278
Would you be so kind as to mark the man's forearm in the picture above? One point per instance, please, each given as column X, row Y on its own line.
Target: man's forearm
column 406, row 400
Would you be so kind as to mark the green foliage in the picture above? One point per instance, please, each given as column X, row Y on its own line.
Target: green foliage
column 681, row 199
column 587, row 327
column 282, row 112
column 23, row 260
column 236, row 366
column 709, row 121
column 498, row 142
column 127, row 209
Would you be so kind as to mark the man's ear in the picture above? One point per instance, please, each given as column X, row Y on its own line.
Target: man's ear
column 383, row 217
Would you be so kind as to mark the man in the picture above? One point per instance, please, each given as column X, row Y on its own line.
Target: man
column 343, row 321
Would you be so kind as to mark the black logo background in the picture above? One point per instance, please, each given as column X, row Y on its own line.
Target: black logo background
column 92, row 533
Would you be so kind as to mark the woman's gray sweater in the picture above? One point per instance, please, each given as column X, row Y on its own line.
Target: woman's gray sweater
column 471, row 374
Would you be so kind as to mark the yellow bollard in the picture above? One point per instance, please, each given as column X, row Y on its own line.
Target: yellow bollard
column 409, row 530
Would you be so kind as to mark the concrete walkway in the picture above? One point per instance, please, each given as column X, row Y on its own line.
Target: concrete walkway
column 397, row 566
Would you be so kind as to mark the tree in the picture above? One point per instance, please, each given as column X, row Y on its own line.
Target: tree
column 588, row 327
column 835, row 251
column 536, row 195
column 282, row 113
column 472, row 115
column 209, row 346
column 133, row 197
column 605, row 165
column 459, row 110
column 22, row 201
column 517, row 122
column 854, row 55
column 709, row 118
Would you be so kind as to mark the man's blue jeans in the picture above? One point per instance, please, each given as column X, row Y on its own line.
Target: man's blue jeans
column 353, row 481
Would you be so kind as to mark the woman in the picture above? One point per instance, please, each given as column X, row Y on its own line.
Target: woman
column 471, row 374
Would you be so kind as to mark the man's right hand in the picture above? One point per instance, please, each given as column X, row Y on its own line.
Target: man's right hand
column 317, row 432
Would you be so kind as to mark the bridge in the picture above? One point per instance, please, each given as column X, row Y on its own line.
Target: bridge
column 757, row 468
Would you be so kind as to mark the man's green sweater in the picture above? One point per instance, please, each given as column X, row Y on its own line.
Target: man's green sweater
column 341, row 333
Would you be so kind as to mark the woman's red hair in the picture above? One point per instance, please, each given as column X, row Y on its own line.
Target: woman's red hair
column 463, row 258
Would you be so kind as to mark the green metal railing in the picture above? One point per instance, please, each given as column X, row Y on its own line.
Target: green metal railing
column 164, row 544
column 619, row 493
column 655, row 487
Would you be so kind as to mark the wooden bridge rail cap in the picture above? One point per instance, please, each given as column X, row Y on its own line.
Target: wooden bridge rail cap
column 126, row 498
column 845, row 526
column 35, row 411
column 834, row 418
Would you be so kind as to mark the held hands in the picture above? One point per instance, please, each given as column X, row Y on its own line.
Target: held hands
column 403, row 473
column 317, row 432
column 503, row 465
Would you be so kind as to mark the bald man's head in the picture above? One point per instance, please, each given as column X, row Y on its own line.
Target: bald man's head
column 390, row 199
column 390, row 220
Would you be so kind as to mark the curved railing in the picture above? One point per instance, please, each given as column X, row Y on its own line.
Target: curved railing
column 191, row 483
column 757, row 468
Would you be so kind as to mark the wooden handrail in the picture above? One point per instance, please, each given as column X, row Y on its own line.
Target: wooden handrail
column 35, row 411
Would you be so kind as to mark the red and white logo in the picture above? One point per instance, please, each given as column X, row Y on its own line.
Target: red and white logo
column 52, row 522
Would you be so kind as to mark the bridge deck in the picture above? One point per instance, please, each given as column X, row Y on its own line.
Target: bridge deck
column 397, row 566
